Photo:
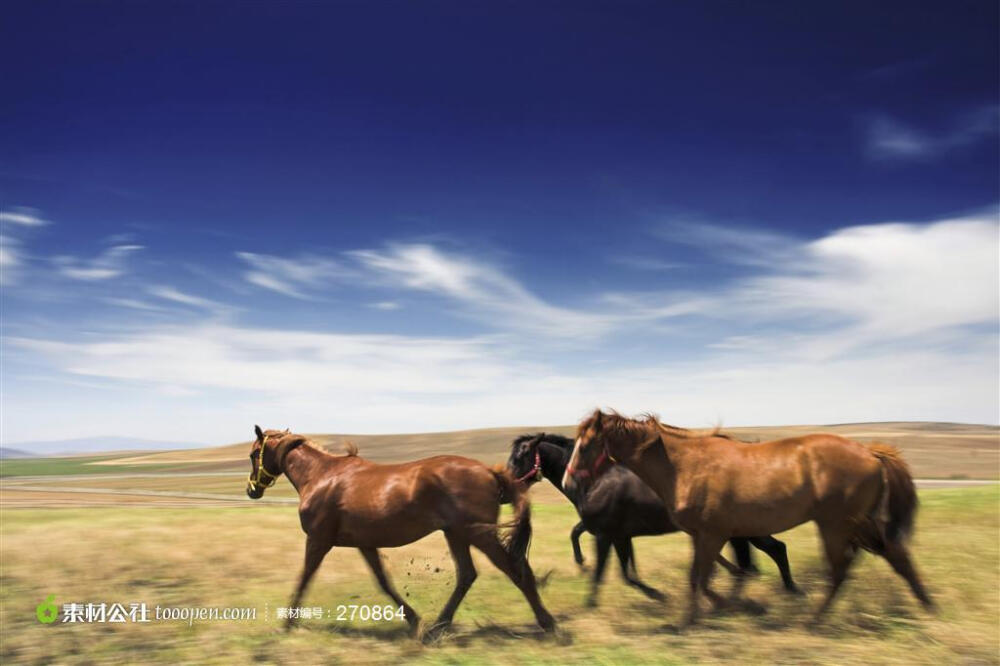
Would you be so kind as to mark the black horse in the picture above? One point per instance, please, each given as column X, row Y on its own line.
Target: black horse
column 620, row 506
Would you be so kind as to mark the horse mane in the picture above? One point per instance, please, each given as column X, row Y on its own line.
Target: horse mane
column 649, row 423
column 350, row 448
column 550, row 437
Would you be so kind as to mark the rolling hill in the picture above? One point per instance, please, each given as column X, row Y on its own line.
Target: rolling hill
column 934, row 450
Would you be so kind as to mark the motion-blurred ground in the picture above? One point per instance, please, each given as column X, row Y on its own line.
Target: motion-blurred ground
column 176, row 529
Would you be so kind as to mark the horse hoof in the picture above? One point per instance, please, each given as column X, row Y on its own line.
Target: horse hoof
column 794, row 589
column 547, row 623
column 591, row 602
column 435, row 631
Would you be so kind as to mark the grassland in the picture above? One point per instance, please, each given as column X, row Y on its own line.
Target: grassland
column 251, row 556
column 176, row 529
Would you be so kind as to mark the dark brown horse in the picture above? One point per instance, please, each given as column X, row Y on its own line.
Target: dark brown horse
column 348, row 501
column 716, row 489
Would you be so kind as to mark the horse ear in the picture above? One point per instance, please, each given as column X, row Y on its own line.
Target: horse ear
column 257, row 431
column 598, row 416
column 287, row 430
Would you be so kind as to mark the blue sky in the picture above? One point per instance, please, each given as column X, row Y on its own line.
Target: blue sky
column 394, row 217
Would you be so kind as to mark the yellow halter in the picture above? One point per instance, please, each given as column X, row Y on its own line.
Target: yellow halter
column 259, row 480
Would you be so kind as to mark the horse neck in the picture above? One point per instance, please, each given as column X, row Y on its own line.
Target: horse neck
column 659, row 466
column 302, row 464
column 554, row 459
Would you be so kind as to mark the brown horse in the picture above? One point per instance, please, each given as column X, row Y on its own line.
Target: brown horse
column 348, row 501
column 716, row 488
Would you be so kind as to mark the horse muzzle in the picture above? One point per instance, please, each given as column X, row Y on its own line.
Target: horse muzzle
column 569, row 482
column 254, row 491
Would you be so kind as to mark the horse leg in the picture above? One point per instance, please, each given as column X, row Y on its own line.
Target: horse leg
column 465, row 575
column 706, row 550
column 898, row 556
column 602, row 544
column 316, row 550
column 840, row 554
column 375, row 563
column 727, row 565
column 626, row 556
column 518, row 572
column 574, row 538
column 777, row 551
column 741, row 548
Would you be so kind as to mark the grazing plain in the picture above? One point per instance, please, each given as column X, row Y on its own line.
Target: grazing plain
column 175, row 529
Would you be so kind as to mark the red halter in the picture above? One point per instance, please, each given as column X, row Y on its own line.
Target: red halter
column 536, row 471
column 595, row 469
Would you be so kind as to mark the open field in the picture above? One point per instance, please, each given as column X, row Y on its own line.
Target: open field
column 250, row 557
column 176, row 529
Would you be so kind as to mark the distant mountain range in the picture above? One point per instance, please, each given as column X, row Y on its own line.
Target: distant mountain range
column 89, row 445
column 6, row 452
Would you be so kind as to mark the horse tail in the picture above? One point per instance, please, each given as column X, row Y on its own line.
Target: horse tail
column 899, row 494
column 518, row 537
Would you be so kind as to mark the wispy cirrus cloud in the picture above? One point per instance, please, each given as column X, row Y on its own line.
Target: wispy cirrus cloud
column 385, row 305
column 299, row 277
column 889, row 138
column 481, row 290
column 24, row 217
column 174, row 295
column 15, row 225
column 110, row 263
column 753, row 246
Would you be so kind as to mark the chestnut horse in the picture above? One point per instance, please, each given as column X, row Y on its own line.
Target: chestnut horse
column 348, row 501
column 716, row 489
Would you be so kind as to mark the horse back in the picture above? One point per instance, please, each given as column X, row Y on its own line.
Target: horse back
column 802, row 475
column 378, row 505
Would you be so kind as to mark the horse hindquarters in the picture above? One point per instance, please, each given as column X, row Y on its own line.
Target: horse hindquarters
column 883, row 530
column 886, row 532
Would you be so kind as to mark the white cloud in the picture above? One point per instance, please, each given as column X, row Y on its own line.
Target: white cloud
column 15, row 225
column 891, row 139
column 875, row 322
column 880, row 283
column 483, row 291
column 738, row 245
column 109, row 264
column 318, row 382
column 25, row 217
column 283, row 362
column 385, row 305
column 9, row 255
column 298, row 277
column 134, row 304
column 168, row 293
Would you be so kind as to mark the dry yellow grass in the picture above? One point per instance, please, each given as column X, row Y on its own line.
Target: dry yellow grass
column 250, row 557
